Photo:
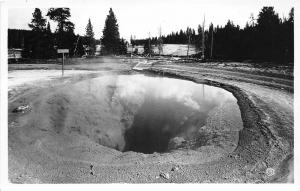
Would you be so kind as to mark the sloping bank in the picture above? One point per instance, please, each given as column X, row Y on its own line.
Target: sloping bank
column 266, row 143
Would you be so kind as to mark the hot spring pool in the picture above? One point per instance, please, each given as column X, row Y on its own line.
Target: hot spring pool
column 141, row 113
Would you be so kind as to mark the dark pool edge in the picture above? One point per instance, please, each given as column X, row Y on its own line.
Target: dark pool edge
column 255, row 130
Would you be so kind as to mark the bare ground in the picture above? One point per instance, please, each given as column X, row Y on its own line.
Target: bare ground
column 264, row 152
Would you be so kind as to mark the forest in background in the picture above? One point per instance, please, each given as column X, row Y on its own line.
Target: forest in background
column 40, row 42
column 265, row 38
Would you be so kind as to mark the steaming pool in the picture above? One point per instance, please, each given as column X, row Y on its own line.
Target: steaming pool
column 140, row 113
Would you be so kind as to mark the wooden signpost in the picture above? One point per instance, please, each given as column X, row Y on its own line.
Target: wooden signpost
column 62, row 51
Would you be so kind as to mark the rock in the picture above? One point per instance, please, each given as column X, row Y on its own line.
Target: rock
column 270, row 172
column 21, row 109
column 236, row 157
column 92, row 173
column 176, row 142
column 175, row 168
column 165, row 175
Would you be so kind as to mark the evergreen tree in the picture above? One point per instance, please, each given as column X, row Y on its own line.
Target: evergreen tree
column 48, row 28
column 148, row 49
column 79, row 48
column 132, row 41
column 288, row 33
column 123, row 46
column 90, row 37
column 65, row 36
column 39, row 44
column 110, row 39
column 38, row 23
column 89, row 30
column 210, row 39
column 61, row 16
column 291, row 16
column 48, row 39
column 268, row 34
column 198, row 41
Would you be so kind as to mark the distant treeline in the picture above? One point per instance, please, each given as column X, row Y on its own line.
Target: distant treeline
column 267, row 38
column 180, row 37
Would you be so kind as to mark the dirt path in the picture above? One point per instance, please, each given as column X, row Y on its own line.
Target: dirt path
column 264, row 153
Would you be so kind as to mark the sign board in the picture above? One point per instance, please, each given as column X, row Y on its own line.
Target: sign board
column 62, row 50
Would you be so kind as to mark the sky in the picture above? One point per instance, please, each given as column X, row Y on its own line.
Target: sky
column 140, row 17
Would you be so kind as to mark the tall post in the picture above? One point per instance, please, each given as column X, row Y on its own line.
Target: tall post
column 160, row 42
column 63, row 52
column 63, row 62
column 149, row 46
column 131, row 39
column 189, row 39
column 212, row 42
column 203, row 38
column 134, row 43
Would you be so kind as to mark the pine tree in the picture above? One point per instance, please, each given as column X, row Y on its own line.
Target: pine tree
column 65, row 29
column 123, row 46
column 48, row 28
column 61, row 16
column 90, row 37
column 268, row 24
column 38, row 23
column 289, row 37
column 148, row 49
column 291, row 16
column 40, row 40
column 198, row 41
column 89, row 30
column 110, row 39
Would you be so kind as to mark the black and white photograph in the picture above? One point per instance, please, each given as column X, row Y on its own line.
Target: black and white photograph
column 142, row 92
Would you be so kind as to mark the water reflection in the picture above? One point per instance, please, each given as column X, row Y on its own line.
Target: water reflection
column 167, row 108
column 190, row 94
column 153, row 114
